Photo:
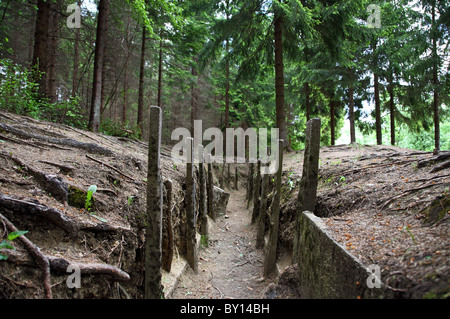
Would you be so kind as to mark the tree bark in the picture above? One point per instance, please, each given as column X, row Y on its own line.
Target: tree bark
column 377, row 98
column 391, row 106
column 40, row 46
column 51, row 54
column 279, row 79
column 160, row 69
column 76, row 56
column 332, row 121
column 194, row 106
column 94, row 117
column 140, row 115
column 308, row 107
column 351, row 114
column 125, row 93
column 437, row 139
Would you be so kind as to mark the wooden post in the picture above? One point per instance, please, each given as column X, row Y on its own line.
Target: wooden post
column 228, row 175
column 257, row 194
column 153, row 232
column 270, row 257
column 210, row 189
column 308, row 183
column 191, row 240
column 263, row 212
column 250, row 185
column 203, row 220
column 167, row 237
column 236, row 178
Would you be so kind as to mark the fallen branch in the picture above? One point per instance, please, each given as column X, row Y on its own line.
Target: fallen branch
column 38, row 257
column 109, row 166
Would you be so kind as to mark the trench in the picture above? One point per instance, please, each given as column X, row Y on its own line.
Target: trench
column 230, row 267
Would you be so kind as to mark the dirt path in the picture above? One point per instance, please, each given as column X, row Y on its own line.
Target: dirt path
column 231, row 267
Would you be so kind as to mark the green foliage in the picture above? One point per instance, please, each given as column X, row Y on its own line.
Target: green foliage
column 117, row 128
column 6, row 244
column 19, row 94
column 89, row 194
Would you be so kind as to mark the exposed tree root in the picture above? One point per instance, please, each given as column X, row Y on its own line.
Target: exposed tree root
column 38, row 257
column 72, row 227
column 60, row 264
column 89, row 147
column 65, row 169
column 51, row 183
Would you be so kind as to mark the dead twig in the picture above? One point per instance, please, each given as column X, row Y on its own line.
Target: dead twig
column 109, row 166
column 212, row 284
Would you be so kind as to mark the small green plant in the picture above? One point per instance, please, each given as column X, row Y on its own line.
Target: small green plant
column 130, row 200
column 90, row 192
column 6, row 244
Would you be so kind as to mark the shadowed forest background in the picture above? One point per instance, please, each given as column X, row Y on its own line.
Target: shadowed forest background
column 250, row 63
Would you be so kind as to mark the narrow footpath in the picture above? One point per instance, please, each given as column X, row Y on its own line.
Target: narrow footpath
column 231, row 267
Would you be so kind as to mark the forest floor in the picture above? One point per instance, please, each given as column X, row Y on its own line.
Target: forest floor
column 231, row 267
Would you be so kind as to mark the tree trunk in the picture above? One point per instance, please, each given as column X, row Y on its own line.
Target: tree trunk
column 437, row 138
column 279, row 79
column 40, row 46
column 351, row 114
column 194, row 106
column 94, row 117
column 160, row 69
column 308, row 107
column 125, row 93
column 76, row 56
column 377, row 99
column 140, row 115
column 332, row 120
column 377, row 110
column 391, row 107
column 51, row 54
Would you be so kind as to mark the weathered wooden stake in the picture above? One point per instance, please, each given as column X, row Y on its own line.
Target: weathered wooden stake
column 308, row 183
column 257, row 193
column 263, row 212
column 191, row 240
column 210, row 189
column 203, row 220
column 167, row 237
column 153, row 232
column 250, row 184
column 270, row 257
column 236, row 178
